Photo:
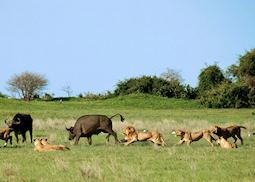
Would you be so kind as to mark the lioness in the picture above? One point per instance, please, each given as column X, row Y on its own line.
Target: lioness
column 190, row 137
column 41, row 145
column 231, row 131
column 131, row 135
column 225, row 144
column 5, row 135
column 44, row 141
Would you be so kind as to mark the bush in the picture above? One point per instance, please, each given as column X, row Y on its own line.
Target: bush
column 3, row 95
column 228, row 95
column 155, row 86
column 47, row 97
column 210, row 77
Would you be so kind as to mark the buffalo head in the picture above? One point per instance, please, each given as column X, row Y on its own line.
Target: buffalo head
column 71, row 133
column 12, row 122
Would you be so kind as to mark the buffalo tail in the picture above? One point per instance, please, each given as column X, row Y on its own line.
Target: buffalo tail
column 121, row 117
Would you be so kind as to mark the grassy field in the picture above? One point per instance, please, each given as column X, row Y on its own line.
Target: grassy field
column 139, row 162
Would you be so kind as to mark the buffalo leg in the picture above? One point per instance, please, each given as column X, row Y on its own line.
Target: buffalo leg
column 17, row 137
column 77, row 138
column 31, row 135
column 89, row 140
column 111, row 132
column 108, row 137
column 24, row 137
column 9, row 138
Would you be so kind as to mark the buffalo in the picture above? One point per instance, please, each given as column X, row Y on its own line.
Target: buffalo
column 20, row 124
column 88, row 125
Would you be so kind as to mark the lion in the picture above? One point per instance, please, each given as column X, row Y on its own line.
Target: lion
column 41, row 145
column 231, row 131
column 5, row 135
column 225, row 144
column 44, row 141
column 131, row 135
column 190, row 137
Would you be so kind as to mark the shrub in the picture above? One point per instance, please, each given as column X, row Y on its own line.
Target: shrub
column 151, row 85
column 209, row 78
column 228, row 95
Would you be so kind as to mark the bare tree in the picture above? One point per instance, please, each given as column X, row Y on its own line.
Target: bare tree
column 27, row 84
column 172, row 75
column 67, row 89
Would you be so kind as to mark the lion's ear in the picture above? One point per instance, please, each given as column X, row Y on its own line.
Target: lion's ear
column 132, row 129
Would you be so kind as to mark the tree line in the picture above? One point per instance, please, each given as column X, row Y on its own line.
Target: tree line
column 232, row 88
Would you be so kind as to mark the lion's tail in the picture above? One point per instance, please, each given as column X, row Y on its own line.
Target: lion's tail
column 243, row 127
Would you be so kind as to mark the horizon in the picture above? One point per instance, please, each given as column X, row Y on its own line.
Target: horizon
column 91, row 46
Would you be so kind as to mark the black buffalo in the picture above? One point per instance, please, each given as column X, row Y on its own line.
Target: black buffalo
column 20, row 124
column 88, row 125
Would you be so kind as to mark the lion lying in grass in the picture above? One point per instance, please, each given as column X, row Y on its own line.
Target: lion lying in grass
column 190, row 137
column 42, row 145
column 225, row 144
column 131, row 135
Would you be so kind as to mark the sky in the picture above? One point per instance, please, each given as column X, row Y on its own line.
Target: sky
column 92, row 45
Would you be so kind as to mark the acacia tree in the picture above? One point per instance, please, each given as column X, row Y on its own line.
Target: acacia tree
column 27, row 84
column 67, row 89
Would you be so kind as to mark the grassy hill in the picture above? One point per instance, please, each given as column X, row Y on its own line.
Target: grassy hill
column 138, row 107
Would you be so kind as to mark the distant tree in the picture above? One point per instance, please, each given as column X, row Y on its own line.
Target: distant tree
column 2, row 95
column 244, row 71
column 210, row 77
column 67, row 89
column 172, row 75
column 27, row 84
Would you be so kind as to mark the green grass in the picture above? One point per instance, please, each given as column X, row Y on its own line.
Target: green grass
column 137, row 162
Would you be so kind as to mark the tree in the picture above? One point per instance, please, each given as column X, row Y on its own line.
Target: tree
column 172, row 75
column 210, row 77
column 27, row 84
column 244, row 71
column 67, row 89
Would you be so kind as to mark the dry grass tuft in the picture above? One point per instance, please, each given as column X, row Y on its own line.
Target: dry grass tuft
column 52, row 124
column 10, row 171
column 91, row 171
column 61, row 164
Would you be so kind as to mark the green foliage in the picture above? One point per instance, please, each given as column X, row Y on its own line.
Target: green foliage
column 155, row 86
column 2, row 95
column 239, row 93
column 244, row 71
column 228, row 95
column 47, row 97
column 210, row 77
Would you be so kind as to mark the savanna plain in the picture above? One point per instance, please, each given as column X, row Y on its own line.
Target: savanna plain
column 141, row 161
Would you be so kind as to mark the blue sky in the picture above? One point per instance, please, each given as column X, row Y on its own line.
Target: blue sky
column 91, row 45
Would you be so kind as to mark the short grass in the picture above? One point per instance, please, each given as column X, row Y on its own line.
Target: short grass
column 138, row 162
